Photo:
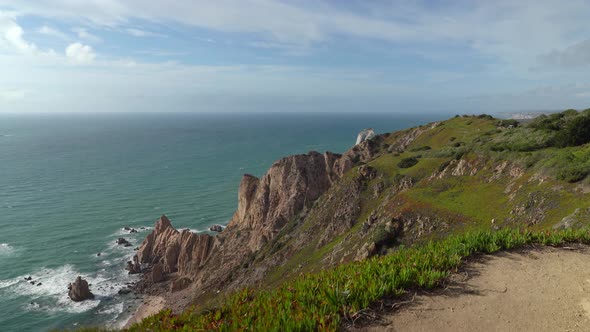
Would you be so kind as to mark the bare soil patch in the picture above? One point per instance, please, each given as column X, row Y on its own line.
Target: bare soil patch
column 545, row 289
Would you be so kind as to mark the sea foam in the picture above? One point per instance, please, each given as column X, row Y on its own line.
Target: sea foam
column 49, row 292
column 6, row 249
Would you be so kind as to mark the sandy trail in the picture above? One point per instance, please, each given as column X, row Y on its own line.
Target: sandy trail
column 151, row 305
column 536, row 290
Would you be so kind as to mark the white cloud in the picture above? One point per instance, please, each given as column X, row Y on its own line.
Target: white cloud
column 585, row 94
column 514, row 33
column 80, row 53
column 11, row 35
column 49, row 31
column 142, row 33
column 84, row 34
column 505, row 37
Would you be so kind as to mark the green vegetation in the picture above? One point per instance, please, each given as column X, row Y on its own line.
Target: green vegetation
column 321, row 301
column 575, row 132
column 508, row 123
column 407, row 162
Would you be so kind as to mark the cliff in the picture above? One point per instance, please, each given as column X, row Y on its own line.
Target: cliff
column 315, row 211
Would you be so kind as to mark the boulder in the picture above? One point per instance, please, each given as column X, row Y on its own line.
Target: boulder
column 79, row 291
column 133, row 266
column 124, row 291
column 157, row 273
column 123, row 242
column 216, row 228
column 367, row 172
column 180, row 284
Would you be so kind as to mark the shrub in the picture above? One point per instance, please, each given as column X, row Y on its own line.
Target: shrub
column 507, row 123
column 575, row 132
column 407, row 162
column 420, row 148
column 574, row 174
column 485, row 116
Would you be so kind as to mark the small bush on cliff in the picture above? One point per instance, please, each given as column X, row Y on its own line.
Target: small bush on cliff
column 574, row 174
column 420, row 148
column 575, row 132
column 508, row 123
column 407, row 162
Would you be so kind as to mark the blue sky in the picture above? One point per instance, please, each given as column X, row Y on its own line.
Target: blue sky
column 245, row 55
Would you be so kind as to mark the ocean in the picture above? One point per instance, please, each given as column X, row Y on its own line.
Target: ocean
column 70, row 183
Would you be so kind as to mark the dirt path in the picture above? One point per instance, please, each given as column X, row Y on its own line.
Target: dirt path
column 538, row 290
column 151, row 305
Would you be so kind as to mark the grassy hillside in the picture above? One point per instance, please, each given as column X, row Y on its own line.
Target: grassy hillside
column 321, row 301
column 414, row 206
column 466, row 173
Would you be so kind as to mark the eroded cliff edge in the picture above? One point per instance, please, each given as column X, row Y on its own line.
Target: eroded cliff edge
column 203, row 263
column 314, row 211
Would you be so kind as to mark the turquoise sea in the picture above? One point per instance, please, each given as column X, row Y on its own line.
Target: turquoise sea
column 69, row 183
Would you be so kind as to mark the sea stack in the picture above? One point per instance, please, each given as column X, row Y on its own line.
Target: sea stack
column 365, row 135
column 79, row 291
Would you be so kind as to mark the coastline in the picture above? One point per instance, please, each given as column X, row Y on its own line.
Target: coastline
column 151, row 305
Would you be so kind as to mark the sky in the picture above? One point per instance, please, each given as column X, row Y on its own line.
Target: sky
column 288, row 56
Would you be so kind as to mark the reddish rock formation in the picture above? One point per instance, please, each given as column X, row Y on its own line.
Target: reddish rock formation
column 181, row 252
column 180, row 284
column 133, row 266
column 79, row 291
column 266, row 205
column 157, row 273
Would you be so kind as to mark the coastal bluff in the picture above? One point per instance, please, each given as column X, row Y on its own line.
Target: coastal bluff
column 203, row 262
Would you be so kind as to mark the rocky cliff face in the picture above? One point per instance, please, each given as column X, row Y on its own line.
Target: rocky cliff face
column 313, row 211
column 265, row 205
column 183, row 252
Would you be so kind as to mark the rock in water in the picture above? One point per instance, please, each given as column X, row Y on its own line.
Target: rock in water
column 124, row 291
column 122, row 241
column 365, row 135
column 79, row 291
column 133, row 267
column 216, row 228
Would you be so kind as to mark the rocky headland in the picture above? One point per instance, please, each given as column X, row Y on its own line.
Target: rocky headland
column 314, row 211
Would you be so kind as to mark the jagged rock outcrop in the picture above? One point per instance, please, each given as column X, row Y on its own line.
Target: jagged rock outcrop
column 79, row 290
column 133, row 266
column 265, row 205
column 182, row 252
column 365, row 135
